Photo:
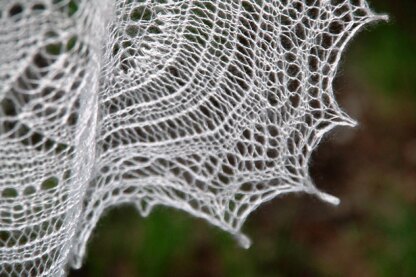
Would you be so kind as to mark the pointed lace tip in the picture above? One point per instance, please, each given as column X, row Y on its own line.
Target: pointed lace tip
column 243, row 241
column 76, row 262
column 383, row 17
column 348, row 121
column 329, row 198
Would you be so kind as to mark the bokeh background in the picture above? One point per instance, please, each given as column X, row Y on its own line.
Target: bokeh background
column 372, row 168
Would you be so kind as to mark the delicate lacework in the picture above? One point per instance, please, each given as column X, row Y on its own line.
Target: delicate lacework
column 212, row 107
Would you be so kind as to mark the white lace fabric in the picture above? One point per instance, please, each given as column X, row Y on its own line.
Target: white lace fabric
column 211, row 107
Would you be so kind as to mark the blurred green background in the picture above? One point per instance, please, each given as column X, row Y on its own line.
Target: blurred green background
column 372, row 168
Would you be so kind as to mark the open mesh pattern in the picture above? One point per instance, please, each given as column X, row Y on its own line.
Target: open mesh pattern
column 212, row 107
